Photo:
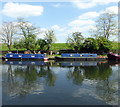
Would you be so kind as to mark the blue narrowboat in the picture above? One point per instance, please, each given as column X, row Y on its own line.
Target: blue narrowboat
column 79, row 57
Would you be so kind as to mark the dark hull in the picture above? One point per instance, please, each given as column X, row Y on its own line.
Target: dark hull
column 113, row 57
column 79, row 59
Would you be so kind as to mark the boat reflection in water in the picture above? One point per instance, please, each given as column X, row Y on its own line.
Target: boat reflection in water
column 81, row 83
column 26, row 62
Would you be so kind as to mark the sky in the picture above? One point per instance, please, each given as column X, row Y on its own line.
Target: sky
column 63, row 17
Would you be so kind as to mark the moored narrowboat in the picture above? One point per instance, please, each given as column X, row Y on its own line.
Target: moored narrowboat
column 13, row 56
column 112, row 56
column 79, row 57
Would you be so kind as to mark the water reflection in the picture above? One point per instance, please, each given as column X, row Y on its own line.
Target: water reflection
column 24, row 78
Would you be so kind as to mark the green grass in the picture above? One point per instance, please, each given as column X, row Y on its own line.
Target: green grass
column 4, row 47
column 59, row 46
column 55, row 46
column 115, row 46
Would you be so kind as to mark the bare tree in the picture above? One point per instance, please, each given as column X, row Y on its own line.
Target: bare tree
column 106, row 25
column 8, row 31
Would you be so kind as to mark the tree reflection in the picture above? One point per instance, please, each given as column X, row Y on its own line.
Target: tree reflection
column 48, row 75
column 106, row 88
column 25, row 79
column 28, row 79
column 79, row 73
column 100, row 72
column 76, row 75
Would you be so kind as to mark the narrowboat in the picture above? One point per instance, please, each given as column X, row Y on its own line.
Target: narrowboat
column 14, row 56
column 79, row 57
column 112, row 56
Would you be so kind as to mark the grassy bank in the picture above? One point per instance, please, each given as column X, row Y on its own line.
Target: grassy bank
column 59, row 46
column 55, row 46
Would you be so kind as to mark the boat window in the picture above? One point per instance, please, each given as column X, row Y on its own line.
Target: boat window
column 32, row 56
column 81, row 55
column 11, row 55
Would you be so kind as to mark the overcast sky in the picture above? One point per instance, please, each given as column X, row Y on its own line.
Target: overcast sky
column 62, row 17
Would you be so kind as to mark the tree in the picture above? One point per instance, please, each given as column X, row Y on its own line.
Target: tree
column 104, row 44
column 18, row 44
column 90, row 45
column 29, row 32
column 50, row 38
column 41, row 44
column 8, row 32
column 106, row 25
column 75, row 41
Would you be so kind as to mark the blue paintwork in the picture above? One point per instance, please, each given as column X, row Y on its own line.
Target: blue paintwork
column 22, row 56
column 78, row 55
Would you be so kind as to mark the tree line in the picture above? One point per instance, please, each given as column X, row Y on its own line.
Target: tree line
column 23, row 34
column 99, row 41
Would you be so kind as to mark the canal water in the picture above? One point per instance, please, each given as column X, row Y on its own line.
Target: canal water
column 59, row 83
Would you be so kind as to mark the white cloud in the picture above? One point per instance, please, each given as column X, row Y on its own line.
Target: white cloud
column 58, row 28
column 56, row 5
column 83, row 4
column 113, row 9
column 16, row 10
column 89, row 15
column 81, row 23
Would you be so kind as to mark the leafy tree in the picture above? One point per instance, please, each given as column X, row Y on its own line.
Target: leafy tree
column 29, row 32
column 18, row 45
column 50, row 38
column 8, row 32
column 41, row 44
column 75, row 41
column 104, row 44
column 90, row 45
column 106, row 25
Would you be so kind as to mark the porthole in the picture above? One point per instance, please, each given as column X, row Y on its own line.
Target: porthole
column 32, row 56
column 11, row 55
column 81, row 55
column 20, row 55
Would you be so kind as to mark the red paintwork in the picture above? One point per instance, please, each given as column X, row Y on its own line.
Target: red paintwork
column 112, row 56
